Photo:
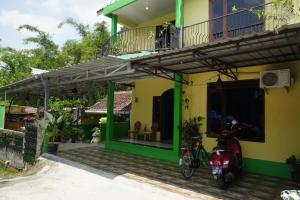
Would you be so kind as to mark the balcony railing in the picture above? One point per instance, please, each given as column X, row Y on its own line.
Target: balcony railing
column 257, row 19
column 142, row 39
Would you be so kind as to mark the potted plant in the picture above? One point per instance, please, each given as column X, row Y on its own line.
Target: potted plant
column 75, row 134
column 55, row 128
column 295, row 163
column 190, row 128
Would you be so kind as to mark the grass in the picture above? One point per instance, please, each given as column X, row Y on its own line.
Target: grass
column 7, row 172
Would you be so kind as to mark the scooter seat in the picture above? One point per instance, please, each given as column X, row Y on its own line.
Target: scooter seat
column 220, row 148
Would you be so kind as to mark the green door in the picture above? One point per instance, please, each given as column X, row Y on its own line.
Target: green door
column 2, row 116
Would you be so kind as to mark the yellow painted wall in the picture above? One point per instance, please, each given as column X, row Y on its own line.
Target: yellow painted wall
column 159, row 20
column 144, row 91
column 282, row 114
column 282, row 110
column 195, row 11
column 142, row 36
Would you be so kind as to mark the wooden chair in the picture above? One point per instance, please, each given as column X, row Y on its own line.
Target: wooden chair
column 150, row 134
column 136, row 131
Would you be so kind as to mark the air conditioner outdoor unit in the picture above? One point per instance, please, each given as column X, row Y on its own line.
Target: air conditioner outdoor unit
column 275, row 79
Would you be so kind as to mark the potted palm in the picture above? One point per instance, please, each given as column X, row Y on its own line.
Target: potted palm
column 55, row 129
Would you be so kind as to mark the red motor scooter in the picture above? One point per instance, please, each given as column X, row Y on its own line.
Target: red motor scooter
column 226, row 160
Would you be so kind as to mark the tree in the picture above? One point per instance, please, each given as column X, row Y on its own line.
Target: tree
column 91, row 44
column 71, row 52
column 82, row 29
column 15, row 65
column 45, row 56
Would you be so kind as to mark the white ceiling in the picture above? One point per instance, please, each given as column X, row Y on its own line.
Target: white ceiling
column 137, row 13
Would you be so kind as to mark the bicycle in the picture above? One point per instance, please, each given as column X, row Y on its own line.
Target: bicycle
column 192, row 157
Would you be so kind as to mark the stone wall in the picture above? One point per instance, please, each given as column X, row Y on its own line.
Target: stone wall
column 18, row 148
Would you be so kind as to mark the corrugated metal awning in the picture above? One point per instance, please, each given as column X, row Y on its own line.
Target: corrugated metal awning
column 250, row 50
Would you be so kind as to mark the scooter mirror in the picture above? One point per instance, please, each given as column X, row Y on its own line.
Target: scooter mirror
column 234, row 122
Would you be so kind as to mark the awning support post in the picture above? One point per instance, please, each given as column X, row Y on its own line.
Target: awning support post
column 5, row 97
column 110, row 112
column 46, row 100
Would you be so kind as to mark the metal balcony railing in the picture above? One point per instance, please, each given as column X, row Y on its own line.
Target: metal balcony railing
column 257, row 19
column 135, row 40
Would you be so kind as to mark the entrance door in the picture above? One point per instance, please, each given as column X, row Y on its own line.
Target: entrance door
column 167, row 115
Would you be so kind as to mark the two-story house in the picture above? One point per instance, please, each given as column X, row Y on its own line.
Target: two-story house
column 214, row 59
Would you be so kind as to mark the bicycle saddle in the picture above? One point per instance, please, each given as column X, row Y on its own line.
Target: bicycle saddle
column 195, row 137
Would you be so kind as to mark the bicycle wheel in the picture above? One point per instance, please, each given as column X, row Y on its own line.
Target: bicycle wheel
column 203, row 156
column 186, row 169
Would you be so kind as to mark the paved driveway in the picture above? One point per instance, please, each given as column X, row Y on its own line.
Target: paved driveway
column 64, row 180
column 95, row 173
column 167, row 176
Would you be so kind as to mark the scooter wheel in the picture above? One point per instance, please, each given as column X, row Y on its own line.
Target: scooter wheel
column 222, row 184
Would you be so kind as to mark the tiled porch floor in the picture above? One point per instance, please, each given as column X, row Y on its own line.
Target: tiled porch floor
column 167, row 176
column 162, row 145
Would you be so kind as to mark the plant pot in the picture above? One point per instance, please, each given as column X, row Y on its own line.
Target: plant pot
column 52, row 148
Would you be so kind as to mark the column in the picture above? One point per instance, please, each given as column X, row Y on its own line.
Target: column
column 114, row 25
column 177, row 114
column 110, row 112
column 46, row 100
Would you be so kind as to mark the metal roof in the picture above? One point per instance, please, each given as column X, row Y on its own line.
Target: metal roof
column 226, row 54
column 221, row 55
column 81, row 78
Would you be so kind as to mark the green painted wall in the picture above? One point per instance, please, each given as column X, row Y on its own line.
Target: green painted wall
column 120, row 130
column 87, row 130
column 268, row 168
column 2, row 116
column 161, row 154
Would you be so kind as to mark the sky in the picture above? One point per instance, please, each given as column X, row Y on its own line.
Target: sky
column 46, row 14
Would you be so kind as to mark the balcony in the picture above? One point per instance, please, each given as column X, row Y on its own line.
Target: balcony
column 165, row 37
column 137, row 40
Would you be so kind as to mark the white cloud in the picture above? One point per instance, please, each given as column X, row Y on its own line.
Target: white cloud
column 48, row 24
column 85, row 11
column 47, row 15
column 15, row 18
column 53, row 5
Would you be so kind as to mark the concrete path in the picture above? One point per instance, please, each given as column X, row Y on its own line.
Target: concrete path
column 63, row 179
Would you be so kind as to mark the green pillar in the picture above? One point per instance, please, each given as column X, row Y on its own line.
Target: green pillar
column 46, row 101
column 2, row 116
column 178, row 84
column 177, row 114
column 179, row 13
column 110, row 112
column 114, row 25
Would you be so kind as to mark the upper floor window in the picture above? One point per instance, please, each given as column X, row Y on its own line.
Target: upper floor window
column 226, row 23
